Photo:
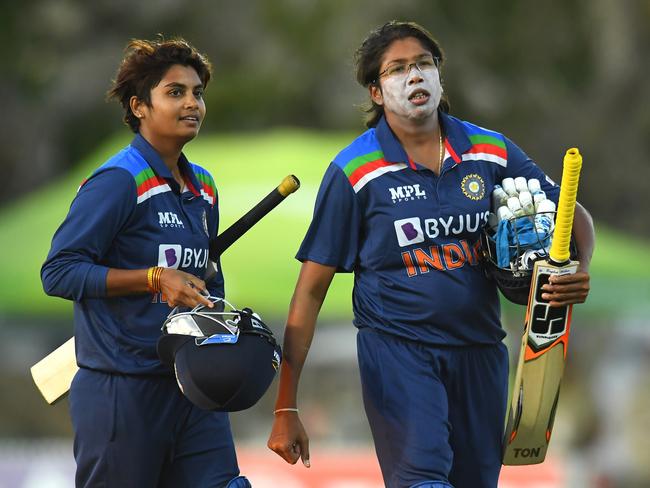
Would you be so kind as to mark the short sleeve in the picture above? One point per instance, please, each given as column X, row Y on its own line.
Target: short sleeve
column 519, row 164
column 333, row 237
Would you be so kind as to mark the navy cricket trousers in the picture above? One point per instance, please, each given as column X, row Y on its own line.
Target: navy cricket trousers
column 436, row 413
column 141, row 432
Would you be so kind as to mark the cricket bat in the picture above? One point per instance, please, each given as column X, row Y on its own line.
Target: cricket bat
column 544, row 343
column 54, row 373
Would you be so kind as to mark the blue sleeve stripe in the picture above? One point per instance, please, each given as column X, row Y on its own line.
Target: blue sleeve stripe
column 364, row 144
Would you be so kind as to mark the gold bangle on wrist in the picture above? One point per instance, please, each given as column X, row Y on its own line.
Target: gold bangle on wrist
column 149, row 277
column 157, row 275
column 153, row 278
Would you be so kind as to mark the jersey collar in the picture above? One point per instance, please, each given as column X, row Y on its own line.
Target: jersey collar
column 390, row 145
column 160, row 168
column 456, row 140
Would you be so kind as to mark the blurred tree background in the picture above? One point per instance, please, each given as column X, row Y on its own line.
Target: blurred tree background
column 550, row 75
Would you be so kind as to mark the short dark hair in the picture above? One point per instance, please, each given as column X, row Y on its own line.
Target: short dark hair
column 144, row 65
column 367, row 59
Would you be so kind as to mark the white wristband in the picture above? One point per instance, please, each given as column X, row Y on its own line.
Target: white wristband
column 285, row 410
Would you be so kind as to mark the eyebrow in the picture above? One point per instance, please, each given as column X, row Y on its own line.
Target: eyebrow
column 404, row 60
column 176, row 84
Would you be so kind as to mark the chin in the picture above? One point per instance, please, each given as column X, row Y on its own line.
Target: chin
column 421, row 113
column 187, row 136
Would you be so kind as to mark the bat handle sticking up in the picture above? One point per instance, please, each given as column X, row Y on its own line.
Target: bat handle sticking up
column 559, row 252
column 224, row 240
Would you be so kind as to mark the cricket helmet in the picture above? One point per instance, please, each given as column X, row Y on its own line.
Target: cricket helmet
column 224, row 358
column 514, row 280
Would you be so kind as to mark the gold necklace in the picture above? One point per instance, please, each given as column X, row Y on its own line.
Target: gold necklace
column 440, row 156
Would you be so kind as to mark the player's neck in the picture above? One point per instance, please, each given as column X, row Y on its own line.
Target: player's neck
column 414, row 132
column 421, row 141
column 169, row 150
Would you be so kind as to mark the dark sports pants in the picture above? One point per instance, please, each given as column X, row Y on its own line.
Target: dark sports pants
column 436, row 413
column 141, row 432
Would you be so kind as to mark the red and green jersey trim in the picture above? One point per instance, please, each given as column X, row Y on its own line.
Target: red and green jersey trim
column 149, row 184
column 208, row 189
column 486, row 146
column 365, row 168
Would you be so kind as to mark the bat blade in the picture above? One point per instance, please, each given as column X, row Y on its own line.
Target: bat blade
column 539, row 373
column 542, row 355
column 54, row 373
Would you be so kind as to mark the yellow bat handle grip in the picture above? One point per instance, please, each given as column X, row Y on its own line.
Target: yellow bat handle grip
column 564, row 221
column 289, row 185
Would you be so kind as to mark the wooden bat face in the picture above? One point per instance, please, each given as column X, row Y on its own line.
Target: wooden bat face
column 547, row 324
column 539, row 373
column 53, row 374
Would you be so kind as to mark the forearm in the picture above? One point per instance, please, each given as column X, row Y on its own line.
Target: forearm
column 584, row 236
column 120, row 282
column 305, row 305
column 298, row 335
column 76, row 280
column 178, row 287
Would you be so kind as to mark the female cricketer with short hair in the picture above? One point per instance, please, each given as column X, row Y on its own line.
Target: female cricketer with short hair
column 402, row 207
column 134, row 243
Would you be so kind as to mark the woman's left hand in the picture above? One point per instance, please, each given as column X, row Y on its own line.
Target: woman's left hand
column 567, row 289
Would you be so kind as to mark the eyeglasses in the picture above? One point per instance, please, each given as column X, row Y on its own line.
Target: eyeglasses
column 424, row 64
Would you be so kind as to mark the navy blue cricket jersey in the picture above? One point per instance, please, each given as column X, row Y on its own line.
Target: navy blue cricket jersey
column 412, row 237
column 130, row 214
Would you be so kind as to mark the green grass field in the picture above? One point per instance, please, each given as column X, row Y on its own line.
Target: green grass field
column 260, row 268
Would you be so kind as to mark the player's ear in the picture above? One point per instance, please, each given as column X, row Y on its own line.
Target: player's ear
column 375, row 93
column 137, row 106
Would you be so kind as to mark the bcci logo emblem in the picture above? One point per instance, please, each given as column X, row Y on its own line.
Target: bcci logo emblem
column 473, row 187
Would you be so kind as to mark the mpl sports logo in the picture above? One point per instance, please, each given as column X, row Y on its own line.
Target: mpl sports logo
column 407, row 193
column 170, row 219
column 174, row 256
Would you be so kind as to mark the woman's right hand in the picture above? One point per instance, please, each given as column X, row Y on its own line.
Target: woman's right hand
column 288, row 438
column 183, row 289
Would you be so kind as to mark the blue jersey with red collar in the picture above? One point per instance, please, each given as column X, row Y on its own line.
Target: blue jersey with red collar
column 412, row 237
column 130, row 214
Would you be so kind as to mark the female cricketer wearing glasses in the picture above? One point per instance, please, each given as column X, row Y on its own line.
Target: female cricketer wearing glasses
column 402, row 208
column 134, row 243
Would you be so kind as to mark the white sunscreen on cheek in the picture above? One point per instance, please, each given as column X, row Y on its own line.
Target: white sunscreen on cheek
column 396, row 91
